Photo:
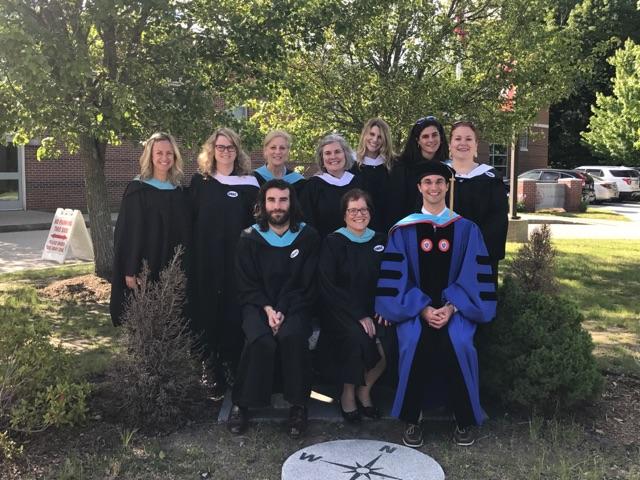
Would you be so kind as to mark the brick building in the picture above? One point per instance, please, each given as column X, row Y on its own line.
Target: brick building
column 26, row 183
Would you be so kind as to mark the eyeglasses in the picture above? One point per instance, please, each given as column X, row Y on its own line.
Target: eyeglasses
column 355, row 211
column 429, row 118
column 463, row 123
column 227, row 148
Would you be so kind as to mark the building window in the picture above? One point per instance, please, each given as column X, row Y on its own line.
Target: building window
column 498, row 158
column 240, row 113
column 523, row 140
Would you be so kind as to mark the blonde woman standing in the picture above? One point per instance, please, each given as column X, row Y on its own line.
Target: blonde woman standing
column 275, row 151
column 154, row 218
column 223, row 194
column 374, row 160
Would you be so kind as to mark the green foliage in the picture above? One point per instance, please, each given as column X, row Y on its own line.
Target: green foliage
column 37, row 384
column 535, row 355
column 602, row 26
column 400, row 60
column 614, row 128
column 9, row 449
column 157, row 374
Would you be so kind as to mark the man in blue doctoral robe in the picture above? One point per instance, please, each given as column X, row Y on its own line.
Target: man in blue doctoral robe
column 436, row 286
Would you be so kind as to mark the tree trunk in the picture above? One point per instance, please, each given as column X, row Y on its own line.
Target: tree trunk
column 93, row 155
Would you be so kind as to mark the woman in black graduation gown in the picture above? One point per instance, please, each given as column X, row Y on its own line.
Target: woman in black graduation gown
column 426, row 141
column 348, row 273
column 154, row 219
column 479, row 192
column 275, row 150
column 374, row 161
column 321, row 195
column 223, row 194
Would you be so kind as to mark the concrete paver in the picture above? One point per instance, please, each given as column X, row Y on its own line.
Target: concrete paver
column 22, row 250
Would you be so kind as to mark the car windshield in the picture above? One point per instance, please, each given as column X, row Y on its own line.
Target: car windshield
column 624, row 173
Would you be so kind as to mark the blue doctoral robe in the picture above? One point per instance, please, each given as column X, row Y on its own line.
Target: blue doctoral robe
column 399, row 297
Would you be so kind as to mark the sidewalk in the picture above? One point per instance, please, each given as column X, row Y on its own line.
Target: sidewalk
column 28, row 220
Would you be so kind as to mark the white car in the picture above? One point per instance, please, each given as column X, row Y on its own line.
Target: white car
column 606, row 191
column 627, row 179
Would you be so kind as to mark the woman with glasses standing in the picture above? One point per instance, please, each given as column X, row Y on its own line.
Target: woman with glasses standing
column 426, row 141
column 347, row 274
column 374, row 160
column 479, row 192
column 223, row 194
column 320, row 198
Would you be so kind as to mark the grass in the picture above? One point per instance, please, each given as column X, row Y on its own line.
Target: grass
column 86, row 331
column 601, row 278
column 589, row 214
column 47, row 275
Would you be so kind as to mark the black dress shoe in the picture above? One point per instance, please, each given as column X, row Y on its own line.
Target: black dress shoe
column 238, row 420
column 351, row 417
column 297, row 421
column 370, row 412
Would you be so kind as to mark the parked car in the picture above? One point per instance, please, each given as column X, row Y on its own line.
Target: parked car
column 627, row 179
column 606, row 190
column 552, row 175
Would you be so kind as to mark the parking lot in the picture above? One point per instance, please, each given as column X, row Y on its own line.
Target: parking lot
column 21, row 250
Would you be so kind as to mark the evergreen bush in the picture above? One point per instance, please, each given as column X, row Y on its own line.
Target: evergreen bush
column 535, row 355
column 157, row 373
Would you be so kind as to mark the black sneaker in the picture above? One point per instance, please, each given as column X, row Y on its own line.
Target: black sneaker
column 297, row 421
column 238, row 420
column 412, row 436
column 464, row 436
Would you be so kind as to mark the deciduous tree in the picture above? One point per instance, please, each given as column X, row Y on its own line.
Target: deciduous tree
column 614, row 127
column 404, row 60
column 94, row 72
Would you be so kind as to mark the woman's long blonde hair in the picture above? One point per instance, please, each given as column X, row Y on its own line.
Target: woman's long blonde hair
column 386, row 150
column 175, row 173
column 207, row 160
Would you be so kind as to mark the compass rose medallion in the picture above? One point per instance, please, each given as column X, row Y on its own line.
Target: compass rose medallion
column 360, row 460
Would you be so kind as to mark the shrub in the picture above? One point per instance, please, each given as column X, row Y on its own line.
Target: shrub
column 37, row 384
column 534, row 265
column 157, row 373
column 535, row 354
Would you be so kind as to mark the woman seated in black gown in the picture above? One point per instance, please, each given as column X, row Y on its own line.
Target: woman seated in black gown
column 348, row 273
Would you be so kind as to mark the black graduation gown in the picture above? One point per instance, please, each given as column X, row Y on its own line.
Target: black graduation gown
column 404, row 197
column 347, row 275
column 483, row 200
column 283, row 277
column 376, row 181
column 298, row 184
column 151, row 224
column 321, row 203
column 220, row 213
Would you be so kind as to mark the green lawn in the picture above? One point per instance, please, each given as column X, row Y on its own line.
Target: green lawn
column 594, row 214
column 602, row 278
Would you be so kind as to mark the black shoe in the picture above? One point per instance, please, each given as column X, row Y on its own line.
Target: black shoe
column 297, row 421
column 465, row 437
column 238, row 420
column 412, row 436
column 370, row 412
column 218, row 390
column 351, row 417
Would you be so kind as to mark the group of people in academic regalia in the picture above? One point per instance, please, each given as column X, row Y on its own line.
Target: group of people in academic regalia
column 389, row 255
